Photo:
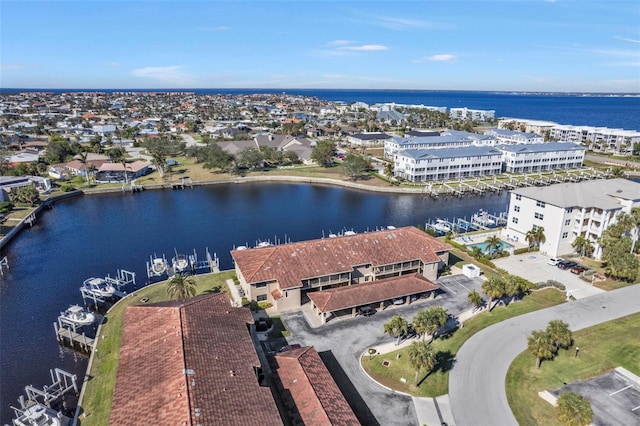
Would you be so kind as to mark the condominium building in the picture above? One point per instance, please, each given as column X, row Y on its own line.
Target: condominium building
column 513, row 137
column 526, row 125
column 541, row 156
column 471, row 114
column 446, row 139
column 369, row 139
column 601, row 139
column 567, row 210
column 420, row 165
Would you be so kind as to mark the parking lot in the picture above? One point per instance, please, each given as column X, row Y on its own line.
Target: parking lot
column 341, row 343
column 533, row 267
column 614, row 397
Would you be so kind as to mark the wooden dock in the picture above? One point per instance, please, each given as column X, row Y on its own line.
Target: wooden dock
column 67, row 335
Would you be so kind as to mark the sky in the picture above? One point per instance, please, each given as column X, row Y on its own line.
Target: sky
column 510, row 45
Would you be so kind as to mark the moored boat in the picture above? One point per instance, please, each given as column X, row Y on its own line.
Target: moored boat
column 37, row 415
column 180, row 263
column 78, row 316
column 98, row 287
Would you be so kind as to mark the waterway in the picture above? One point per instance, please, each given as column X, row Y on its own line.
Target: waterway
column 95, row 235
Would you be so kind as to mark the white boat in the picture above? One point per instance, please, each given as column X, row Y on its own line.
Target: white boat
column 241, row 248
column 98, row 287
column 158, row 266
column 180, row 263
column 38, row 415
column 441, row 226
column 77, row 315
column 264, row 244
column 347, row 233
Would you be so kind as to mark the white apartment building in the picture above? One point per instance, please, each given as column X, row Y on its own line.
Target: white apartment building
column 446, row 139
column 514, row 137
column 567, row 210
column 541, row 156
column 526, row 125
column 471, row 114
column 600, row 139
column 420, row 165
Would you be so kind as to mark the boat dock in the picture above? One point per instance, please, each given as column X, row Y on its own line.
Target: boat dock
column 66, row 334
column 4, row 263
column 158, row 266
column 184, row 182
column 122, row 279
column 479, row 221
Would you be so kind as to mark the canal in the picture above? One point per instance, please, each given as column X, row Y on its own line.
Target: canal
column 98, row 234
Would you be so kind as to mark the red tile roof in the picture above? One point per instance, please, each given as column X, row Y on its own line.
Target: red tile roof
column 317, row 398
column 190, row 362
column 290, row 263
column 366, row 293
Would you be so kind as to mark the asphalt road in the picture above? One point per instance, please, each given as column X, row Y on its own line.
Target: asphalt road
column 477, row 382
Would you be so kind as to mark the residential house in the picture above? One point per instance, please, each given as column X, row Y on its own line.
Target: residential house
column 116, row 172
column 368, row 139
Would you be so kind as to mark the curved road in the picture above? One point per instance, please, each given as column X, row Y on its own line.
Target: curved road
column 477, row 382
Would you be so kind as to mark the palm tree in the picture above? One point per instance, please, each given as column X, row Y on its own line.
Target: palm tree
column 560, row 334
column 541, row 346
column 540, row 237
column 530, row 237
column 475, row 299
column 617, row 172
column 437, row 317
column 635, row 232
column 396, row 327
column 493, row 244
column 574, row 409
column 494, row 288
column 420, row 323
column 515, row 286
column 388, row 170
column 181, row 286
column 582, row 246
column 421, row 357
column 83, row 159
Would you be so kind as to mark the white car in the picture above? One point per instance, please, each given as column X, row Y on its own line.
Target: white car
column 398, row 301
column 554, row 261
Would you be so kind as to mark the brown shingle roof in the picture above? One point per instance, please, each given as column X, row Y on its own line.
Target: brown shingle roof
column 317, row 398
column 290, row 263
column 375, row 291
column 190, row 362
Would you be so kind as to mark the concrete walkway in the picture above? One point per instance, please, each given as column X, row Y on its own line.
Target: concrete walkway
column 477, row 382
column 235, row 294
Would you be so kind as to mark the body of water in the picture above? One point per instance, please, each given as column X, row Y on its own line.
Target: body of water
column 96, row 235
column 599, row 110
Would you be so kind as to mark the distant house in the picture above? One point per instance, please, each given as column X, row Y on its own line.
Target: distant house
column 190, row 362
column 8, row 183
column 369, row 139
column 391, row 117
column 514, row 137
column 301, row 146
column 116, row 172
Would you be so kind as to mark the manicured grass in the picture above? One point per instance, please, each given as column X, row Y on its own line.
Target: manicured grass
column 279, row 328
column 96, row 403
column 437, row 383
column 602, row 348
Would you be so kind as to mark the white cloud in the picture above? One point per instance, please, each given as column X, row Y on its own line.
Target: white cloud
column 407, row 23
column 11, row 67
column 171, row 75
column 630, row 40
column 219, row 28
column 365, row 48
column 441, row 57
column 339, row 42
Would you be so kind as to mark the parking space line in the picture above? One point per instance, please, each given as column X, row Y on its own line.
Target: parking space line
column 442, row 284
column 620, row 390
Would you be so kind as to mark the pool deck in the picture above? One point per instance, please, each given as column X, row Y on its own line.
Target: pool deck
column 470, row 239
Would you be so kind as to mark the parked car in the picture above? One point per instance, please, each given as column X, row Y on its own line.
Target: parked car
column 578, row 269
column 366, row 311
column 290, row 347
column 398, row 301
column 567, row 264
column 555, row 260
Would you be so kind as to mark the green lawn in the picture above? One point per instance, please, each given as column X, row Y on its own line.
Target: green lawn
column 602, row 348
column 437, row 383
column 96, row 403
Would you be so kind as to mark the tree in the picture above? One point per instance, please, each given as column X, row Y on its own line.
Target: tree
column 437, row 317
column 535, row 236
column 118, row 155
column 214, row 157
column 475, row 299
column 574, row 409
column 541, row 346
column 388, row 170
column 515, row 286
column 493, row 245
column 25, row 195
column 494, row 288
column 540, row 237
column 323, row 153
column 83, row 159
column 616, row 246
column 161, row 148
column 354, row 165
column 582, row 246
column 617, row 172
column 420, row 323
column 58, row 150
column 396, row 327
column 560, row 334
column 250, row 158
column 181, row 286
column 530, row 237
column 635, row 230
column 421, row 357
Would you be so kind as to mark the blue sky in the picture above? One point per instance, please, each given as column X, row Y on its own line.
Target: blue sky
column 561, row 45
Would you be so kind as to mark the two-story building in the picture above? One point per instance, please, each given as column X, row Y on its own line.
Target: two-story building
column 371, row 267
column 513, row 137
column 446, row 139
column 567, row 210
column 541, row 156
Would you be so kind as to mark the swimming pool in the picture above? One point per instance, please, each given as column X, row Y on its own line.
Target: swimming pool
column 484, row 245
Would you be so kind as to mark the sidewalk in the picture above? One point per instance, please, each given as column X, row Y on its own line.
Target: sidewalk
column 235, row 294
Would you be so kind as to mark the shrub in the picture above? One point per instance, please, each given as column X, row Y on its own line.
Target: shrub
column 5, row 206
column 245, row 301
column 520, row 250
column 67, row 188
column 264, row 305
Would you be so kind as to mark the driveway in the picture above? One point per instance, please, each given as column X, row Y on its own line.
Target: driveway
column 476, row 383
column 340, row 344
column 533, row 267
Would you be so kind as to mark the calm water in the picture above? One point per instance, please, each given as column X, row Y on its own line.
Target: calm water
column 595, row 110
column 96, row 235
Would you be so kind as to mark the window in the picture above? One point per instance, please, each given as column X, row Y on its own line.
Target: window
column 518, row 197
column 514, row 219
column 570, row 210
column 261, row 297
column 567, row 222
column 565, row 235
column 516, row 208
column 261, row 285
column 538, row 215
column 540, row 204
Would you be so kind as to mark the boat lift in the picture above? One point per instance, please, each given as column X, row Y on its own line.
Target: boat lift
column 4, row 263
column 62, row 383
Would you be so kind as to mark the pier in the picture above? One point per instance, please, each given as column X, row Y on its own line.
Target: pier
column 66, row 334
column 184, row 182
